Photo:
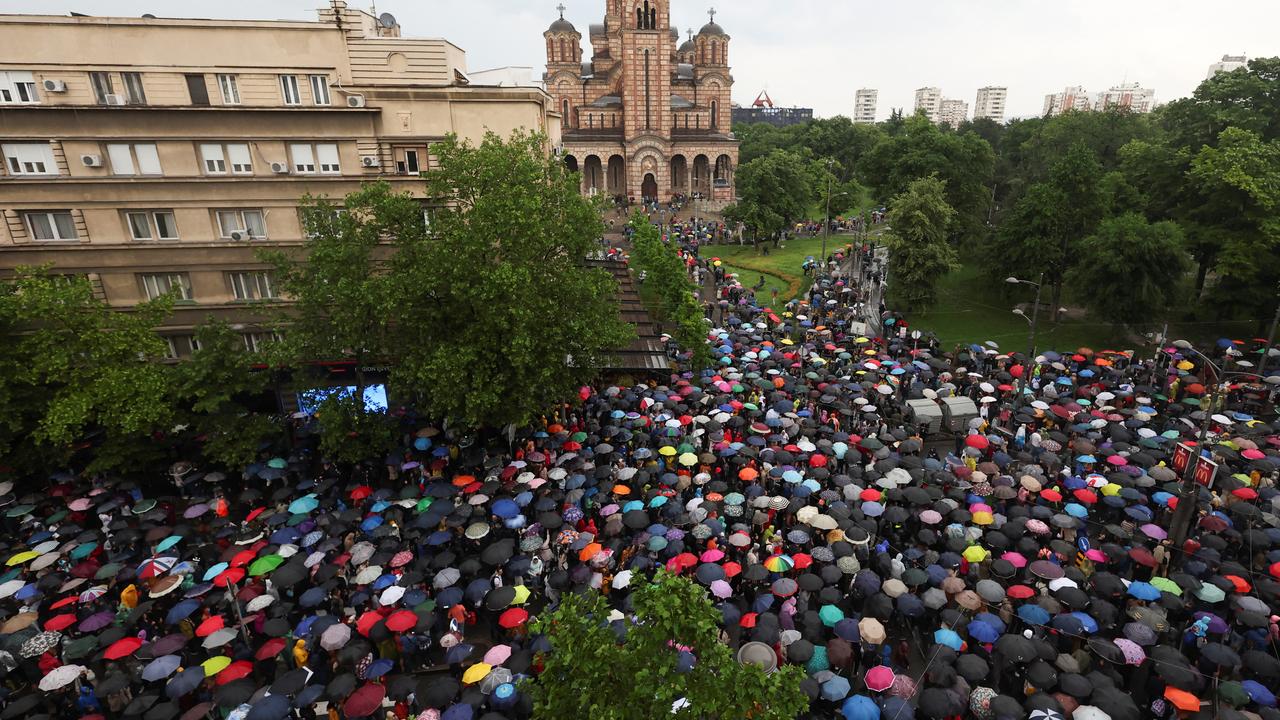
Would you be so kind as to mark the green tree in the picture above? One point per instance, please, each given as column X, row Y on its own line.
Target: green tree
column 1030, row 238
column 774, row 191
column 1131, row 270
column 496, row 313
column 675, row 293
column 590, row 674
column 214, row 391
column 964, row 162
column 919, row 253
column 76, row 370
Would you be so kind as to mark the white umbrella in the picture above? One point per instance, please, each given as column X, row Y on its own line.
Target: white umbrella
column 219, row 638
column 368, row 575
column 259, row 603
column 335, row 636
column 391, row 595
column 60, row 677
column 361, row 552
column 621, row 580
column 11, row 587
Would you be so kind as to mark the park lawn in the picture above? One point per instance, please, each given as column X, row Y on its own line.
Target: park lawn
column 749, row 278
column 970, row 311
column 784, row 262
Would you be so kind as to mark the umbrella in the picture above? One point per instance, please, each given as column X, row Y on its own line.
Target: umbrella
column 879, row 678
column 61, row 677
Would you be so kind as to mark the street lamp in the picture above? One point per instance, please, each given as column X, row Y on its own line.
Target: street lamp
column 1188, row 495
column 1031, row 341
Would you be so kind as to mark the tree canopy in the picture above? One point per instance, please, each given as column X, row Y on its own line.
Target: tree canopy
column 671, row 663
column 1123, row 272
column 919, row 253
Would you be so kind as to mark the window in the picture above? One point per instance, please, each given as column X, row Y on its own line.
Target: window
column 411, row 161
column 155, row 285
column 247, row 223
column 180, row 346
column 258, row 341
column 198, row 90
column 215, row 158
column 327, row 154
column 152, row 224
column 289, row 89
column 320, row 89
column 102, row 86
column 29, row 159
column 140, row 159
column 252, row 285
column 51, row 225
column 230, row 89
column 17, row 86
column 304, row 160
column 133, row 92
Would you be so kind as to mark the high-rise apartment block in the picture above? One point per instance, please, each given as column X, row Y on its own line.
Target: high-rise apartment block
column 953, row 112
column 929, row 99
column 1071, row 98
column 1129, row 96
column 990, row 103
column 1227, row 64
column 864, row 105
column 155, row 155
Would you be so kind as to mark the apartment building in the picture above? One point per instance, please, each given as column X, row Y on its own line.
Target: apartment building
column 1227, row 64
column 864, row 105
column 1071, row 98
column 953, row 112
column 1129, row 96
column 149, row 154
column 929, row 99
column 990, row 103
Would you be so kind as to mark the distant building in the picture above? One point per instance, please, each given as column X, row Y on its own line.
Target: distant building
column 510, row 76
column 929, row 99
column 990, row 103
column 1130, row 96
column 953, row 112
column 1227, row 64
column 763, row 111
column 864, row 105
column 1072, row 98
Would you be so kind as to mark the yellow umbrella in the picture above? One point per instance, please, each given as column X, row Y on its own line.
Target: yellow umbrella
column 476, row 673
column 975, row 553
column 788, row 341
column 23, row 557
column 862, row 340
column 688, row 459
column 982, row 517
column 215, row 665
column 1111, row 489
column 1184, row 365
column 667, row 450
column 522, row 595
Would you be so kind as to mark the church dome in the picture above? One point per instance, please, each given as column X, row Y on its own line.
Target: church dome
column 687, row 47
column 712, row 28
column 562, row 25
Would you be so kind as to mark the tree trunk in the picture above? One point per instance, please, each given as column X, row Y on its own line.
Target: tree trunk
column 1056, row 300
column 1201, row 274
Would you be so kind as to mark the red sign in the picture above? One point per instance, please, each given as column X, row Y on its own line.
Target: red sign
column 1206, row 472
column 1181, row 456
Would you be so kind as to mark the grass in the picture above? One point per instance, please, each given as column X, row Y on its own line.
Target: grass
column 781, row 264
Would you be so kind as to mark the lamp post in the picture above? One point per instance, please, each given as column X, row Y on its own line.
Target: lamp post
column 1188, row 494
column 1031, row 340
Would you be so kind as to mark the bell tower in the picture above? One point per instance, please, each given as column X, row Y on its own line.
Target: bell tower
column 647, row 49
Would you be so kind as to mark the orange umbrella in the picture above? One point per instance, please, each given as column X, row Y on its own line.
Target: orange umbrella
column 590, row 551
column 1182, row 699
column 621, row 489
column 748, row 474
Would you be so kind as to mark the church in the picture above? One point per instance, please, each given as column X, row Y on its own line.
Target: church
column 646, row 117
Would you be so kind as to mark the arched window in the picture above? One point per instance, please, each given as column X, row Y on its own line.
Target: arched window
column 564, row 107
column 715, row 114
column 564, row 52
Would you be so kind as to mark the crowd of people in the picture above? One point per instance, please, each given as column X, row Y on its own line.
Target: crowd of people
column 1016, row 566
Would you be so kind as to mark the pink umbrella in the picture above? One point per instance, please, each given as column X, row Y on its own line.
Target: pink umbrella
column 712, row 555
column 1133, row 653
column 1015, row 559
column 930, row 517
column 721, row 589
column 1095, row 555
column 903, row 687
column 879, row 678
column 497, row 654
column 1116, row 460
column 80, row 504
column 1154, row 531
column 1252, row 454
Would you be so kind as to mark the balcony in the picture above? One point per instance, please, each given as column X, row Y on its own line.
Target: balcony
column 612, row 133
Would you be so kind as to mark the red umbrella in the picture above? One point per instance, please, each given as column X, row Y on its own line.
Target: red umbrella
column 60, row 622
column 235, row 671
column 253, row 514
column 270, row 648
column 361, row 493
column 229, row 576
column 818, row 461
column 122, row 648
column 367, row 621
column 1020, row 592
column 69, row 600
column 748, row 620
column 1086, row 496
column 513, row 618
column 364, row 701
column 401, row 620
column 978, row 442
column 242, row 558
column 210, row 626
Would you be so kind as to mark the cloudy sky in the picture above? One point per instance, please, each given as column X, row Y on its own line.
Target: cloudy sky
column 816, row 53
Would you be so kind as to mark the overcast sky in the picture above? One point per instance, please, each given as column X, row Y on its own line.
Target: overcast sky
column 816, row 53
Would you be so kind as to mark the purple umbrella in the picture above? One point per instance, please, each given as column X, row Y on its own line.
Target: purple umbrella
column 96, row 621
column 1154, row 532
column 1216, row 624
column 195, row 511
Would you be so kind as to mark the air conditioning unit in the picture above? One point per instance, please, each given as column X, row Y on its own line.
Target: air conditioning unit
column 369, row 161
column 56, row 86
column 280, row 168
column 237, row 235
column 355, row 101
column 115, row 100
column 91, row 160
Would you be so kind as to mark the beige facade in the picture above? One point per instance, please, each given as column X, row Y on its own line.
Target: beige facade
column 642, row 117
column 990, row 103
column 146, row 153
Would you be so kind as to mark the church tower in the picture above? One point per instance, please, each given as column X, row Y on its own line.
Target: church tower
column 564, row 63
column 647, row 50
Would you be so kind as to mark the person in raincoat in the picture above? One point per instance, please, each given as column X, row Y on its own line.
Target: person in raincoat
column 300, row 653
column 129, row 597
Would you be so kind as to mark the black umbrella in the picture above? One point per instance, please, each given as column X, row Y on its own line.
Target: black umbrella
column 290, row 683
column 936, row 702
column 234, row 693
column 436, row 692
column 1016, row 648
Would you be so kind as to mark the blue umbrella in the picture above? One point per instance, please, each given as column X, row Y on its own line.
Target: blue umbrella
column 181, row 611
column 304, row 504
column 271, row 707
column 184, row 682
column 1144, row 591
column 980, row 631
column 1087, row 622
column 168, row 542
column 313, row 597
column 837, row 688
column 506, row 508
column 161, row 668
column 214, row 571
column 860, row 707
column 378, row 668
column 950, row 638
column 1034, row 614
column 457, row 653
column 369, row 523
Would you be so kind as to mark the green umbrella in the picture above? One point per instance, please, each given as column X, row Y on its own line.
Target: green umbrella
column 109, row 570
column 265, row 564
column 83, row 550
column 423, row 504
column 19, row 510
column 277, row 463
column 80, row 647
column 56, row 517
column 1233, row 693
column 1210, row 593
column 1166, row 585
column 578, row 437
column 830, row 615
column 143, row 506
